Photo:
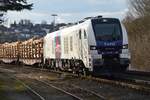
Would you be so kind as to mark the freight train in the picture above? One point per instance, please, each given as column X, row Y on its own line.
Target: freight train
column 95, row 44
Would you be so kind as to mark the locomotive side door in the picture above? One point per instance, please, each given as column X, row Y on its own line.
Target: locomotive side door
column 83, row 47
column 80, row 45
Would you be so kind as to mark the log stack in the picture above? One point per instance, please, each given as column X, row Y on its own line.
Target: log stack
column 9, row 52
column 31, row 51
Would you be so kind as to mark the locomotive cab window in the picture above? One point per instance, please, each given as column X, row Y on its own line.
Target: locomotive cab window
column 80, row 34
column 107, row 30
column 85, row 35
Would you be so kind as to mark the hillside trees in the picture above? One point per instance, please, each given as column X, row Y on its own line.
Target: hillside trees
column 137, row 23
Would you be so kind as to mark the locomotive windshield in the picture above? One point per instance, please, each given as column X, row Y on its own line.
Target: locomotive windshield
column 107, row 30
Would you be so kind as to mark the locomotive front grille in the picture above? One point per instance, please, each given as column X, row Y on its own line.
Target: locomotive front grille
column 107, row 50
column 111, row 59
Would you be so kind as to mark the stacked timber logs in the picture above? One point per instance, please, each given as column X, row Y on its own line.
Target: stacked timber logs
column 31, row 49
column 29, row 52
column 9, row 50
column 1, row 51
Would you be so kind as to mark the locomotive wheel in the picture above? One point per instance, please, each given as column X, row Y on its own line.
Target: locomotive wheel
column 85, row 72
column 124, row 68
column 73, row 71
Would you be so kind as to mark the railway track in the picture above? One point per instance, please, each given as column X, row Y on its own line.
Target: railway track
column 76, row 92
column 144, row 76
column 139, row 73
column 133, row 81
column 28, row 90
column 130, row 76
column 123, row 80
column 89, row 87
column 45, row 86
column 82, row 94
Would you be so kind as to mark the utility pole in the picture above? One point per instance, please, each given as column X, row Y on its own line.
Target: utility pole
column 54, row 22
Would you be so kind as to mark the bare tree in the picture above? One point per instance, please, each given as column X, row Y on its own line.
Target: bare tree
column 139, row 8
column 13, row 5
column 137, row 23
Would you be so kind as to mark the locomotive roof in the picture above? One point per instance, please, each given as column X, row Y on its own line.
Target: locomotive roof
column 78, row 26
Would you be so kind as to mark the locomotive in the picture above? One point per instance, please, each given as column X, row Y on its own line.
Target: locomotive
column 95, row 44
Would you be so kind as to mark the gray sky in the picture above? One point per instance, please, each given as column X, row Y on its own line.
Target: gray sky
column 70, row 10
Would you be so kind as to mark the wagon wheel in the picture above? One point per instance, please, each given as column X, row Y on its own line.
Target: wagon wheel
column 74, row 70
column 84, row 71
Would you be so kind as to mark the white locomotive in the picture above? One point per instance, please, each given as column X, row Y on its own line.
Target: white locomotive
column 95, row 44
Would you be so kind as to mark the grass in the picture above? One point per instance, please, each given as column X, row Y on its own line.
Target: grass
column 19, row 87
column 7, row 88
column 3, row 95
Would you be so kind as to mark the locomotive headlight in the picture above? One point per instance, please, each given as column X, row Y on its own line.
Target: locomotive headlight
column 125, row 54
column 93, row 47
column 125, row 46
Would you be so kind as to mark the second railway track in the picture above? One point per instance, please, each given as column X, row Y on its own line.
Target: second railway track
column 35, row 88
column 75, row 92
column 18, row 88
column 84, row 88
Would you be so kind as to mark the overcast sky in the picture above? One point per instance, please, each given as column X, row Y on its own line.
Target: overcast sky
column 70, row 10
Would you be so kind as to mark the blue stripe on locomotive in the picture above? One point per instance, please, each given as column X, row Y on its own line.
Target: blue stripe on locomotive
column 115, row 47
